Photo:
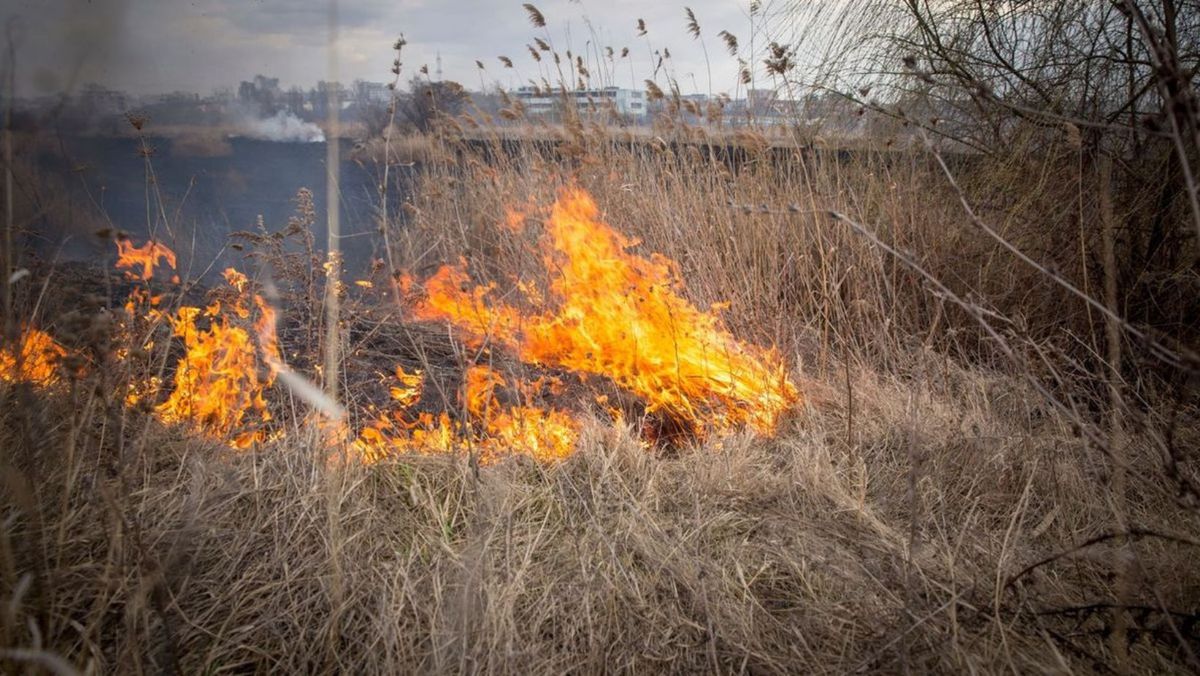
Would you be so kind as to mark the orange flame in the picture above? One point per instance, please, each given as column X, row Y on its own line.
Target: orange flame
column 616, row 314
column 147, row 257
column 36, row 360
column 395, row 431
column 545, row 434
column 492, row 429
column 409, row 390
column 218, row 387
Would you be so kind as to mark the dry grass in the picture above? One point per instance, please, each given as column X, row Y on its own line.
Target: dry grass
column 141, row 550
column 941, row 503
column 756, row 231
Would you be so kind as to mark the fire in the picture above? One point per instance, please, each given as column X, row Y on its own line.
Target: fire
column 491, row 428
column 398, row 430
column 546, row 434
column 36, row 361
column 218, row 386
column 147, row 256
column 612, row 313
column 601, row 311
column 408, row 392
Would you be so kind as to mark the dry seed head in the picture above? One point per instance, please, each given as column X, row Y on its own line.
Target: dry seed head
column 1074, row 138
column 535, row 17
column 780, row 61
column 693, row 26
column 731, row 42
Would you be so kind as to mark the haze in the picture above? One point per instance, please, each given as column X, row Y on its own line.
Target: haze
column 146, row 47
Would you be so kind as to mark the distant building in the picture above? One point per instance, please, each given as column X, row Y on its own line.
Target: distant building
column 761, row 98
column 372, row 92
column 262, row 91
column 695, row 107
column 103, row 101
column 178, row 98
column 630, row 103
column 326, row 92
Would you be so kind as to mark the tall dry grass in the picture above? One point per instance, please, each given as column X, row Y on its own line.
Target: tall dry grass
column 928, row 509
column 142, row 550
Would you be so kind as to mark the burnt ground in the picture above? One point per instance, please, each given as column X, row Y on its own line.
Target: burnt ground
column 81, row 304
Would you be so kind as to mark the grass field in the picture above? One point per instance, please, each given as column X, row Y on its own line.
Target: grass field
column 911, row 408
column 927, row 504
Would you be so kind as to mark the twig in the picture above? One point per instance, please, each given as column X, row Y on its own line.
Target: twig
column 1180, row 357
column 1104, row 537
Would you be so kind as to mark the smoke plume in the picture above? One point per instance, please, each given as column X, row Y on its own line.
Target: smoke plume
column 284, row 127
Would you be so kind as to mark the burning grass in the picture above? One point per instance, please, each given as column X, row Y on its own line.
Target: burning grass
column 606, row 314
column 36, row 359
column 609, row 313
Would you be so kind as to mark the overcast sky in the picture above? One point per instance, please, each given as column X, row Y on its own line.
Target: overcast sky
column 151, row 46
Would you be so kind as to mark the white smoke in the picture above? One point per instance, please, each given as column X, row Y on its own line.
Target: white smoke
column 284, row 127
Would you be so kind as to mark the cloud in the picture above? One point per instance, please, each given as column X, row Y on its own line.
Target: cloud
column 148, row 46
column 306, row 18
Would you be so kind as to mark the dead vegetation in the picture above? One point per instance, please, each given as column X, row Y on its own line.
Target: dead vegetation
column 927, row 508
column 166, row 553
